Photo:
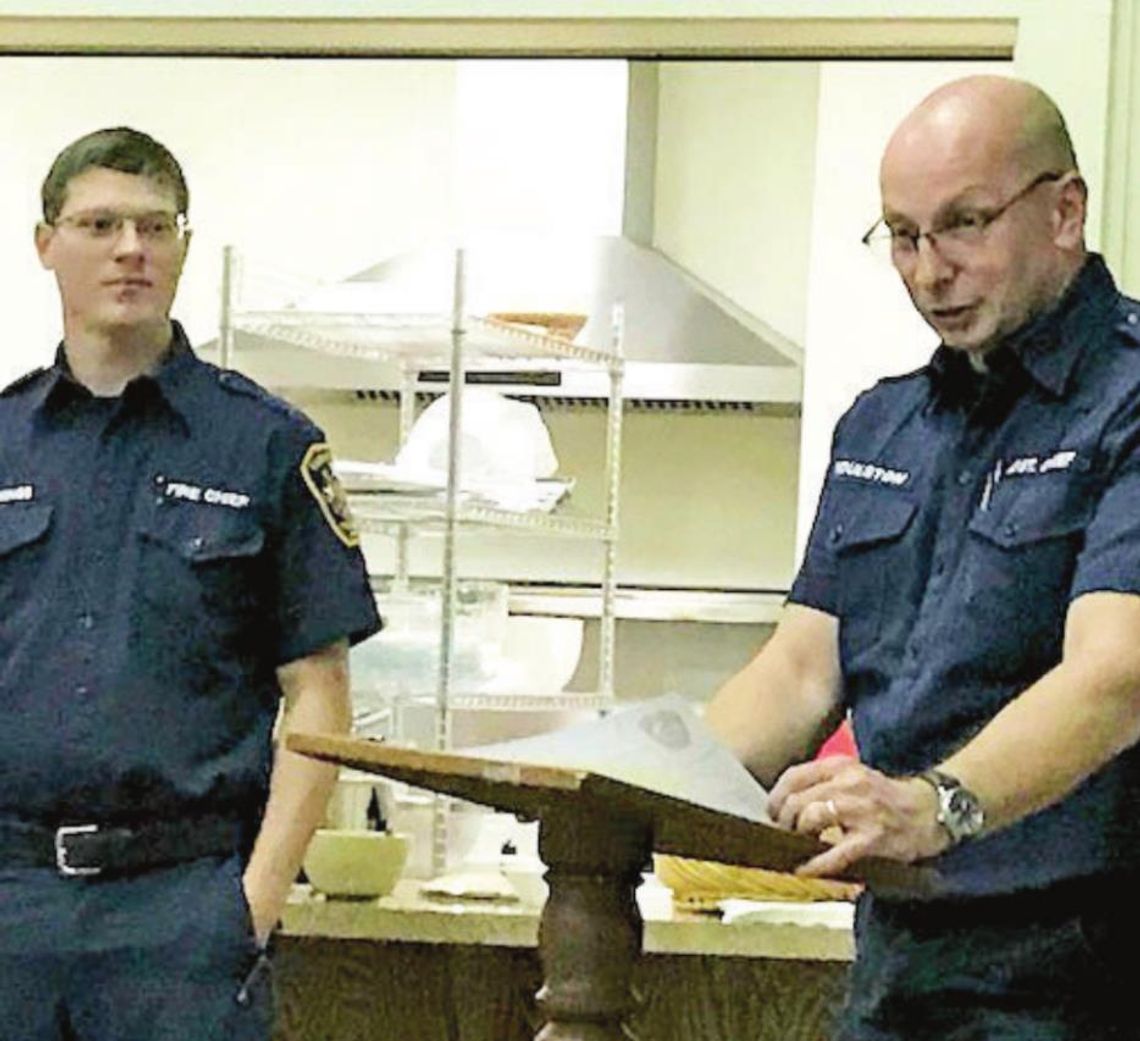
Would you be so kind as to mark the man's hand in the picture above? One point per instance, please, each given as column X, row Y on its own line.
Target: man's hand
column 264, row 910
column 862, row 812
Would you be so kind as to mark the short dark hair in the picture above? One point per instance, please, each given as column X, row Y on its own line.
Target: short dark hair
column 114, row 148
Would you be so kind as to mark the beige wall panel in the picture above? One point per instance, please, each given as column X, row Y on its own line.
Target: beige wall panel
column 735, row 169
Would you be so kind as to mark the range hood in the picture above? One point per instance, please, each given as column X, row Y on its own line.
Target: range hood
column 682, row 340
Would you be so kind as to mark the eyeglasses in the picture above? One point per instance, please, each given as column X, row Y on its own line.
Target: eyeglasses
column 158, row 228
column 954, row 236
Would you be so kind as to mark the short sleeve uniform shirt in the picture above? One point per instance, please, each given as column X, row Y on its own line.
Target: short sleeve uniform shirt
column 162, row 553
column 961, row 515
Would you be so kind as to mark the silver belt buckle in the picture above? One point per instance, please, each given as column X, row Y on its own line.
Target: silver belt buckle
column 61, row 837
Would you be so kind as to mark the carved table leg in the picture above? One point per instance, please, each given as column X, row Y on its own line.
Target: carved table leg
column 589, row 936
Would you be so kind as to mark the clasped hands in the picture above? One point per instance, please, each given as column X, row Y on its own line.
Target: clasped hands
column 859, row 812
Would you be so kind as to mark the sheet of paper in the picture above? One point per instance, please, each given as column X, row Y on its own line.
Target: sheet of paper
column 831, row 914
column 660, row 744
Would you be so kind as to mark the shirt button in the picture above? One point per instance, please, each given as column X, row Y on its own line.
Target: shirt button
column 82, row 690
column 1009, row 530
column 836, row 533
column 196, row 543
column 964, row 479
column 1132, row 319
column 86, row 620
column 160, row 480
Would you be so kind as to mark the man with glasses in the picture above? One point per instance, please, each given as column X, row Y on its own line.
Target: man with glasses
column 971, row 595
column 173, row 563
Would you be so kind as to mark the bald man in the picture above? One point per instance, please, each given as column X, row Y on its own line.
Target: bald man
column 971, row 595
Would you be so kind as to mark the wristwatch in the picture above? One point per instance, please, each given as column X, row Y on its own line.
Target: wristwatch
column 959, row 810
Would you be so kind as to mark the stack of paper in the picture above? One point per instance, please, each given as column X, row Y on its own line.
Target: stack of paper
column 418, row 486
column 660, row 744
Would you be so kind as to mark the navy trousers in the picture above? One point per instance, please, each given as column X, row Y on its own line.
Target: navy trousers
column 165, row 955
column 1038, row 966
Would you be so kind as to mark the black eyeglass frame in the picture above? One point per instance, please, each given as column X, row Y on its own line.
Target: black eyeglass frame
column 985, row 218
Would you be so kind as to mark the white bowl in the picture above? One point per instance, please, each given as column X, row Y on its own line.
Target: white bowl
column 355, row 863
column 540, row 654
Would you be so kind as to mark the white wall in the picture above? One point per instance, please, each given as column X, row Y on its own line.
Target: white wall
column 735, row 168
column 540, row 146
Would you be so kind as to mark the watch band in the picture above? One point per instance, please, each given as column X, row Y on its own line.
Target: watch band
column 960, row 811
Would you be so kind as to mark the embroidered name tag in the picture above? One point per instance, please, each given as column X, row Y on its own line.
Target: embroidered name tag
column 211, row 496
column 870, row 472
column 1035, row 464
column 17, row 493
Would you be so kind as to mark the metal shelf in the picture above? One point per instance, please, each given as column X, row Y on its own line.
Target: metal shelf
column 390, row 514
column 419, row 341
column 750, row 607
column 452, row 344
column 560, row 702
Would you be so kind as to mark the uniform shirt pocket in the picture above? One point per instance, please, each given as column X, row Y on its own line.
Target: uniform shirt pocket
column 865, row 537
column 1042, row 509
column 205, row 567
column 23, row 524
column 23, row 547
column 1023, row 557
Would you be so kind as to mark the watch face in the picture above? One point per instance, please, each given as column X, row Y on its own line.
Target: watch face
column 963, row 813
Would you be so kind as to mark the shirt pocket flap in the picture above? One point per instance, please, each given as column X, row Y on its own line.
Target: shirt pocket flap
column 1045, row 509
column 879, row 518
column 22, row 524
column 203, row 540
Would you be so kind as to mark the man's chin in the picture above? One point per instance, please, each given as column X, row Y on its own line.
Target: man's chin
column 967, row 345
column 970, row 338
column 125, row 324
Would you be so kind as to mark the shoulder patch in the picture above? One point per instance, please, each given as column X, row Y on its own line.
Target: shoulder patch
column 23, row 381
column 317, row 471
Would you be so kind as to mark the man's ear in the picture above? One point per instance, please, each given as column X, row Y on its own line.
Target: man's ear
column 1070, row 212
column 43, row 236
column 185, row 251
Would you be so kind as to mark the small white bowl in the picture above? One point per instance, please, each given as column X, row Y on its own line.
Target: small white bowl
column 355, row 863
column 527, row 877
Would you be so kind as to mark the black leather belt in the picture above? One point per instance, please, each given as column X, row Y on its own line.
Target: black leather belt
column 83, row 850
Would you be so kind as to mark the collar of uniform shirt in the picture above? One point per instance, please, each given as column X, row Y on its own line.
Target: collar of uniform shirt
column 1046, row 348
column 173, row 379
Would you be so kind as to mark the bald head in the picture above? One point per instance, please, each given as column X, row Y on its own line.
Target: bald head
column 984, row 206
column 992, row 120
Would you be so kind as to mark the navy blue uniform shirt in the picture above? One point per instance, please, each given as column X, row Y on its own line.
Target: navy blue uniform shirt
column 961, row 515
column 161, row 554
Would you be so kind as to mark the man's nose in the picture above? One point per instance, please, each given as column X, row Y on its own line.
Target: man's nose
column 930, row 265
column 127, row 238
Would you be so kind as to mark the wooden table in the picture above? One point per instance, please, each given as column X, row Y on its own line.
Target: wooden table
column 595, row 835
column 407, row 967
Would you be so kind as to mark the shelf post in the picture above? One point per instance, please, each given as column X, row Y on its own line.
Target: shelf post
column 606, row 653
column 449, row 590
column 229, row 287
column 407, row 419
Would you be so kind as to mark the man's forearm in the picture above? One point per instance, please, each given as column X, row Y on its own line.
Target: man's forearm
column 1045, row 742
column 299, row 786
column 779, row 706
column 1067, row 725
